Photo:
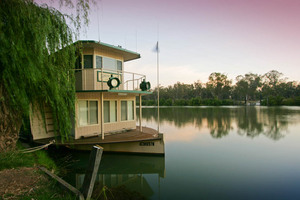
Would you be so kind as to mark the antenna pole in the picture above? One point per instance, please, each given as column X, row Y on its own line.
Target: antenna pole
column 98, row 23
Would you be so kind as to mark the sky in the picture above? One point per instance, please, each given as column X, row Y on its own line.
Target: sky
column 199, row 37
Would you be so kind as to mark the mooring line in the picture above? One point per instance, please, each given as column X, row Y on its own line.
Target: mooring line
column 33, row 149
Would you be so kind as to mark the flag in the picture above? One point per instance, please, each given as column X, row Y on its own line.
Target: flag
column 156, row 48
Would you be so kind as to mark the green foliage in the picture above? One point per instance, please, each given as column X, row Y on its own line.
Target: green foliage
column 288, row 102
column 281, row 101
column 297, row 101
column 43, row 159
column 246, row 86
column 34, row 68
column 219, row 84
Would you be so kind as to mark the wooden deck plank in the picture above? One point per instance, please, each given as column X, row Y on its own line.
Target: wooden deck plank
column 128, row 136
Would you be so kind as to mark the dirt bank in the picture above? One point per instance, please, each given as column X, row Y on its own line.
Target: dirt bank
column 18, row 182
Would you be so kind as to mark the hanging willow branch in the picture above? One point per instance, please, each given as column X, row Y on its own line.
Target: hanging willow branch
column 36, row 62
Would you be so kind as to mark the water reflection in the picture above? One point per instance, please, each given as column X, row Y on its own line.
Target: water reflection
column 199, row 166
column 121, row 170
column 248, row 121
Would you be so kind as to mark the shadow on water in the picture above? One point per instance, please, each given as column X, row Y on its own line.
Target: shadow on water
column 249, row 120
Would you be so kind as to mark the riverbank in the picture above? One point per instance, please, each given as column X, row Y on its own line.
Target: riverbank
column 271, row 101
column 21, row 179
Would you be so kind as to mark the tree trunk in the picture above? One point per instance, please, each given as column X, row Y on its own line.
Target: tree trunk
column 10, row 123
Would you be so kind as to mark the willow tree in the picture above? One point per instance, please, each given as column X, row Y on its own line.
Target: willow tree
column 36, row 61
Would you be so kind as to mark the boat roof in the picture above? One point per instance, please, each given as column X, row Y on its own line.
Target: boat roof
column 127, row 54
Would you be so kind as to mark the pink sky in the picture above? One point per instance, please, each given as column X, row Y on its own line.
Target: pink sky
column 198, row 37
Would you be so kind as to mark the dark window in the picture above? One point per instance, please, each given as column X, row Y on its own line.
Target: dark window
column 88, row 61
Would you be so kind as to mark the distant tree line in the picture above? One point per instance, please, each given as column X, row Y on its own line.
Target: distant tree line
column 268, row 89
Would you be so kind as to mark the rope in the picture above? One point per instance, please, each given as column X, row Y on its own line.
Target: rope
column 33, row 149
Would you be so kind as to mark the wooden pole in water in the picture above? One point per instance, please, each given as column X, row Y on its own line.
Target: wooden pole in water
column 91, row 171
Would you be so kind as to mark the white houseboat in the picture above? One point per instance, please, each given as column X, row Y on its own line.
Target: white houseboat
column 105, row 105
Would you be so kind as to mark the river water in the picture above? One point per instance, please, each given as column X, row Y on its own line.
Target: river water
column 211, row 153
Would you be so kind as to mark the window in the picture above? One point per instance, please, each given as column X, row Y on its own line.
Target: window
column 98, row 62
column 88, row 61
column 109, row 63
column 127, row 110
column 130, row 110
column 88, row 112
column 83, row 112
column 110, row 111
column 124, row 110
column 112, row 64
column 119, row 65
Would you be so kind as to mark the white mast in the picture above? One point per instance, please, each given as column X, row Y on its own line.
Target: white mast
column 157, row 51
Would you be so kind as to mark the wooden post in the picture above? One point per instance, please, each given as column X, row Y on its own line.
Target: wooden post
column 102, row 79
column 63, row 183
column 91, row 171
column 140, row 117
column 133, row 81
column 102, row 117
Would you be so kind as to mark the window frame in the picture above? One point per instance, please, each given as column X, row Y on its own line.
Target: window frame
column 116, row 63
column 88, row 112
column 116, row 109
column 127, row 110
column 101, row 67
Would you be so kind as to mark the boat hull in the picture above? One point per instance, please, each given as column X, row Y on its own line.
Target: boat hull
column 148, row 141
column 149, row 146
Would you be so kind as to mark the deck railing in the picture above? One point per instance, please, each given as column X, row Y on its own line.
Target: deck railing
column 96, row 79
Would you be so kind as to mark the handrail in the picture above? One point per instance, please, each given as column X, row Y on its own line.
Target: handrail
column 102, row 76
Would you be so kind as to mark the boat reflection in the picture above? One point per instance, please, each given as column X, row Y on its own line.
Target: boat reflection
column 124, row 170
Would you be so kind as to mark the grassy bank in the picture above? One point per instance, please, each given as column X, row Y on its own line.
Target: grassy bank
column 14, row 165
column 17, row 159
column 25, row 181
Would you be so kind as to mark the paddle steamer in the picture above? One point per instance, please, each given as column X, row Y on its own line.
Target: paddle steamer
column 105, row 105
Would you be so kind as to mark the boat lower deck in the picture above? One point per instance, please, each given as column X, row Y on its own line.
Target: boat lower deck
column 131, row 141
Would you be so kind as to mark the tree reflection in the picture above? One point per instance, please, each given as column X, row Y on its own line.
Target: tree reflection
column 254, row 121
column 248, row 121
column 218, row 121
